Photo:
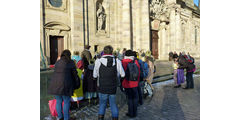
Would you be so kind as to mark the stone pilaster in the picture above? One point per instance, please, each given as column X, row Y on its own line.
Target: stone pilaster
column 172, row 29
column 126, row 24
column 178, row 29
column 163, row 42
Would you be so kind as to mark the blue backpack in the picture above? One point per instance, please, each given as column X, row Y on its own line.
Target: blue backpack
column 145, row 70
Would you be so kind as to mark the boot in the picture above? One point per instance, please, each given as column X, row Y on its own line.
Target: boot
column 114, row 118
column 89, row 102
column 100, row 117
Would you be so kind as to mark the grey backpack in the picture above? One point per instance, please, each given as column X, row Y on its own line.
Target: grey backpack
column 132, row 72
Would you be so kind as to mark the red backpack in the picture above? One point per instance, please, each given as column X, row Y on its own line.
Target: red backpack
column 80, row 64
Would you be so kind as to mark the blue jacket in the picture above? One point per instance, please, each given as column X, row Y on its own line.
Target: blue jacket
column 143, row 68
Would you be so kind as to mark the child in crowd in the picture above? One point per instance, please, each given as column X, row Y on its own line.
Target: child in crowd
column 78, row 93
column 89, row 84
column 175, row 67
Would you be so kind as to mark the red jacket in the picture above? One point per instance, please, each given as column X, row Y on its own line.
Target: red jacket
column 126, row 83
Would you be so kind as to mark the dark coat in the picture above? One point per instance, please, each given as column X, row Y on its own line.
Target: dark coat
column 62, row 81
column 89, row 84
column 191, row 64
column 183, row 63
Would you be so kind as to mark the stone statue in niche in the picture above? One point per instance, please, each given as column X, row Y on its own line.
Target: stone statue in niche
column 100, row 18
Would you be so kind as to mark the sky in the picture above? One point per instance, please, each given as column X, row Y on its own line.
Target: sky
column 196, row 2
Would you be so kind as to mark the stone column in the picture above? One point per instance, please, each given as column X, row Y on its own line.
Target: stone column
column 145, row 27
column 162, row 42
column 172, row 29
column 178, row 30
column 76, row 25
column 125, row 24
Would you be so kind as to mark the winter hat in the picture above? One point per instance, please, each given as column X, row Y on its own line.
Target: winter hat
column 129, row 53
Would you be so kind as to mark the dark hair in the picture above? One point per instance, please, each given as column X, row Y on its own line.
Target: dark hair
column 87, row 47
column 129, row 53
column 134, row 53
column 108, row 49
column 76, row 53
column 66, row 54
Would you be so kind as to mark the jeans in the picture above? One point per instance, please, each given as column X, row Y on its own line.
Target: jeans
column 103, row 98
column 140, row 92
column 66, row 106
column 132, row 94
column 189, row 77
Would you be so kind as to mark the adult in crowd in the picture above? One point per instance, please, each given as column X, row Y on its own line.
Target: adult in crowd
column 175, row 55
column 63, row 82
column 123, row 53
column 130, row 85
column 190, row 69
column 170, row 54
column 143, row 75
column 86, row 56
column 149, row 61
column 107, row 70
column 182, row 64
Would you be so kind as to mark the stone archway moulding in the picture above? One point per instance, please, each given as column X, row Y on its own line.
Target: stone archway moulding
column 57, row 25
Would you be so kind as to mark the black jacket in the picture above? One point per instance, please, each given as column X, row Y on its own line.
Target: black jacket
column 62, row 80
column 108, row 77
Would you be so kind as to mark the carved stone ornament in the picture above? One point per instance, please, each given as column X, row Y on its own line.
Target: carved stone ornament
column 155, row 24
column 157, row 8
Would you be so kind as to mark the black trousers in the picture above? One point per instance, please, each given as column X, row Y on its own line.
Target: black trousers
column 132, row 95
column 140, row 92
column 189, row 80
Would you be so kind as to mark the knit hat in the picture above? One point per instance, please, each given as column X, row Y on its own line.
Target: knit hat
column 129, row 53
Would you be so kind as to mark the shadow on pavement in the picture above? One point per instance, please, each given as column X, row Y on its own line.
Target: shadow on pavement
column 171, row 109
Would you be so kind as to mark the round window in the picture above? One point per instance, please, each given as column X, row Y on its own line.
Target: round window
column 55, row 3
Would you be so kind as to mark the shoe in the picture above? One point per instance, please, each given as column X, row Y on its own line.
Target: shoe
column 72, row 118
column 127, row 114
column 100, row 117
column 178, row 86
column 186, row 88
column 114, row 118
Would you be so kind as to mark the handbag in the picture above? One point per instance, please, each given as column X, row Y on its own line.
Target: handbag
column 76, row 81
column 52, row 107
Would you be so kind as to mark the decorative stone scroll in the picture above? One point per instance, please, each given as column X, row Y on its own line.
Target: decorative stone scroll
column 157, row 8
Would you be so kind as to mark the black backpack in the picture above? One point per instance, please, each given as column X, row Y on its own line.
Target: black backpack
column 132, row 72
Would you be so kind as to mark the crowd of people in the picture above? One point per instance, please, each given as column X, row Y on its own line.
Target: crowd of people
column 181, row 62
column 80, row 77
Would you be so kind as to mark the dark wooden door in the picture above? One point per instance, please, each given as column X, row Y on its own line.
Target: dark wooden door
column 56, row 47
column 155, row 44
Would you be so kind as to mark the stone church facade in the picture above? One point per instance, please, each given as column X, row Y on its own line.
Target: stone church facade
column 157, row 25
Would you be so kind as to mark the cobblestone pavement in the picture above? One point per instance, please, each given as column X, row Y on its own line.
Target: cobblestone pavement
column 168, row 103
